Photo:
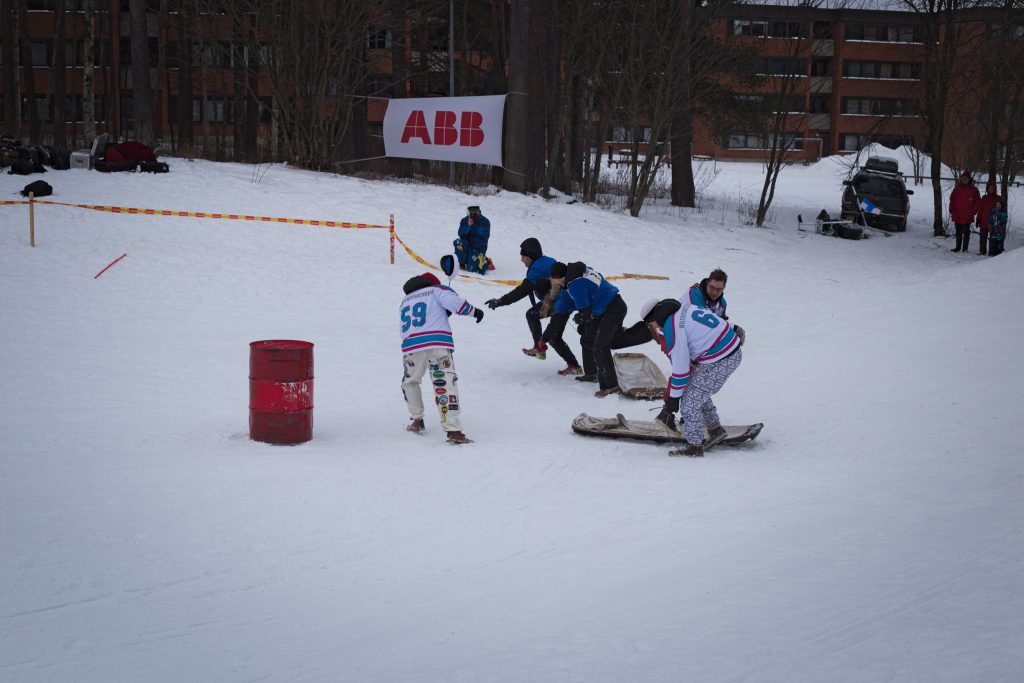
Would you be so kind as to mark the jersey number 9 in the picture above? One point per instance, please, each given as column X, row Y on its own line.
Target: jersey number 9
column 705, row 318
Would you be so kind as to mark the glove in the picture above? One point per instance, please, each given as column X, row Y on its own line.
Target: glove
column 581, row 317
column 491, row 304
column 667, row 416
column 740, row 332
column 479, row 315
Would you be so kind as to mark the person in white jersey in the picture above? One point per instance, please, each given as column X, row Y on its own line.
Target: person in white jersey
column 704, row 350
column 427, row 344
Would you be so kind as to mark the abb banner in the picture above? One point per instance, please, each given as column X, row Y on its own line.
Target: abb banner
column 445, row 129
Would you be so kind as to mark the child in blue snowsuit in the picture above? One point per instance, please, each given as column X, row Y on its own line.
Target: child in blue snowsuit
column 471, row 247
column 997, row 224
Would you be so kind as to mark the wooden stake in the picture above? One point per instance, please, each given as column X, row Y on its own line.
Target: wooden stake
column 31, row 219
column 391, row 234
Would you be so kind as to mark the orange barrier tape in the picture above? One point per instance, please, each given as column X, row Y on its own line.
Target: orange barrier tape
column 8, row 203
column 476, row 278
column 221, row 216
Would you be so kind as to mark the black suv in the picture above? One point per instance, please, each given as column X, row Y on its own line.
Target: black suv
column 878, row 195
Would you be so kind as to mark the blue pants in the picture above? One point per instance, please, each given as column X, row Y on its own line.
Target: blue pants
column 470, row 260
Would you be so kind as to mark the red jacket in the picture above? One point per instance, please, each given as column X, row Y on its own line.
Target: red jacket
column 964, row 203
column 988, row 202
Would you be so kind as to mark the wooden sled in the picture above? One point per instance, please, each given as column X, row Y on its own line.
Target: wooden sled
column 619, row 427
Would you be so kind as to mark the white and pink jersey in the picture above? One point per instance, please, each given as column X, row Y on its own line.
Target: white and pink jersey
column 695, row 335
column 425, row 321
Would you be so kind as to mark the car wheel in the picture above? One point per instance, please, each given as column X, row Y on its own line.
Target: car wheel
column 902, row 225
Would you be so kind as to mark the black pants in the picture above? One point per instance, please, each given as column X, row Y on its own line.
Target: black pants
column 984, row 241
column 553, row 337
column 596, row 339
column 533, row 322
column 963, row 236
column 995, row 246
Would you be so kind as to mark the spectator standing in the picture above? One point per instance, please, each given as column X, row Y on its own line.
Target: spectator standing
column 964, row 203
column 988, row 202
column 997, row 223
column 709, row 293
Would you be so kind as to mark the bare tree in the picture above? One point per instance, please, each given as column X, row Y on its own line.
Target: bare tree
column 89, row 72
column 8, row 43
column 941, row 24
column 524, row 149
column 142, row 89
column 27, row 73
column 60, row 90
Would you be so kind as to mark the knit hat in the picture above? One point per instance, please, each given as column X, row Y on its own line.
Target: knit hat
column 542, row 286
column 431, row 277
column 531, row 247
column 558, row 269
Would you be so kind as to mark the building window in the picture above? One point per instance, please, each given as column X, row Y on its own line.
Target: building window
column 851, row 142
column 819, row 104
column 883, row 33
column 379, row 39
column 902, row 71
column 871, row 106
column 821, row 67
column 792, row 141
column 781, row 66
column 40, row 53
column 763, row 28
column 823, row 30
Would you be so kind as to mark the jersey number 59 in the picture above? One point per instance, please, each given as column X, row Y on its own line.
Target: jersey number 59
column 419, row 316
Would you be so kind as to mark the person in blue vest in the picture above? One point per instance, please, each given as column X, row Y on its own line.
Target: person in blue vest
column 602, row 311
column 709, row 293
column 471, row 246
column 538, row 266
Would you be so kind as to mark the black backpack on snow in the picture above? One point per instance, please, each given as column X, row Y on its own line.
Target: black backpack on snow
column 38, row 188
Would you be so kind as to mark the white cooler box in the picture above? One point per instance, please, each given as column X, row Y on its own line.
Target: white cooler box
column 80, row 159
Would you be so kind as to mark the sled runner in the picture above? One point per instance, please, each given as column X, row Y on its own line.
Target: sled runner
column 619, row 427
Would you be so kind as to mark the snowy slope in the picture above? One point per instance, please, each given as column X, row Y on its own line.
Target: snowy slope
column 873, row 531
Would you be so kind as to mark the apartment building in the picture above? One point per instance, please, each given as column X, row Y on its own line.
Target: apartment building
column 856, row 76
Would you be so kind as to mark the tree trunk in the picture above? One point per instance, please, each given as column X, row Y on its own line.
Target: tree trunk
column 89, row 74
column 7, row 44
column 517, row 123
column 683, row 191
column 142, row 90
column 402, row 168
column 936, row 173
column 186, row 131
column 28, row 77
column 60, row 88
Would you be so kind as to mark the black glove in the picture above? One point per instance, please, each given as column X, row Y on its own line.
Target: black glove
column 740, row 332
column 582, row 317
column 479, row 315
column 491, row 304
column 667, row 416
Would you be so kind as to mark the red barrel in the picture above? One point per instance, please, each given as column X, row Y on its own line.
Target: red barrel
column 281, row 391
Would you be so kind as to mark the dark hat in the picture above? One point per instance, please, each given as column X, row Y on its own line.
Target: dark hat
column 418, row 282
column 660, row 312
column 558, row 269
column 542, row 286
column 448, row 264
column 531, row 247
column 574, row 270
column 473, row 209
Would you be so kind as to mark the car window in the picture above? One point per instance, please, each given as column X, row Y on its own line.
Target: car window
column 878, row 187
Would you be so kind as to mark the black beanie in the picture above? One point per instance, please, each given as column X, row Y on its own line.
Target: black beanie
column 531, row 247
column 558, row 269
column 574, row 270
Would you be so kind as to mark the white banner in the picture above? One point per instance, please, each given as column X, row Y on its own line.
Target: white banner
column 464, row 129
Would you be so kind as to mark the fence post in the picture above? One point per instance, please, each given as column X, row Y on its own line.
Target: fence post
column 32, row 219
column 391, row 235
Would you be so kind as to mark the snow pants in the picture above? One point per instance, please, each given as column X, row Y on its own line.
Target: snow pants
column 443, row 381
column 597, row 338
column 995, row 245
column 963, row 236
column 553, row 337
column 984, row 242
column 696, row 406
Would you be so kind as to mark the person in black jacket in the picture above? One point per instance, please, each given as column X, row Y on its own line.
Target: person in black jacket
column 538, row 266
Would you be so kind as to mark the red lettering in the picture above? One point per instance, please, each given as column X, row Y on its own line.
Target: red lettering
column 444, row 128
column 416, row 127
column 470, row 133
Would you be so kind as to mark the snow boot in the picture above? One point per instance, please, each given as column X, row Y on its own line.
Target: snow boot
column 540, row 351
column 571, row 370
column 416, row 426
column 607, row 392
column 458, row 438
column 668, row 419
column 586, row 378
column 689, row 451
column 715, row 436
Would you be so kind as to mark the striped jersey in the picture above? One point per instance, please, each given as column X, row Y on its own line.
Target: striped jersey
column 424, row 319
column 695, row 335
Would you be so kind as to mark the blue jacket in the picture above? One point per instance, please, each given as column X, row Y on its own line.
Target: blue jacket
column 541, row 268
column 475, row 236
column 592, row 291
column 563, row 302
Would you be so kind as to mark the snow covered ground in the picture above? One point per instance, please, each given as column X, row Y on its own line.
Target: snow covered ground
column 872, row 533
